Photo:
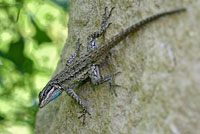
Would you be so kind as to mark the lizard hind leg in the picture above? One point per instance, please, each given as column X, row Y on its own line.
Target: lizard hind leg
column 77, row 52
column 104, row 25
column 97, row 79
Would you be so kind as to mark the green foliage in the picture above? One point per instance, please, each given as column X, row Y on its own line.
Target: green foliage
column 32, row 34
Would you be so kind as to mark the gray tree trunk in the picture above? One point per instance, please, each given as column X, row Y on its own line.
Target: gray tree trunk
column 160, row 67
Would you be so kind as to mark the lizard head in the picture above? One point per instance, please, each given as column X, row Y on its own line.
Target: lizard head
column 49, row 93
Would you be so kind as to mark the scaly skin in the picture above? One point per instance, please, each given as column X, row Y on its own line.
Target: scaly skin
column 79, row 69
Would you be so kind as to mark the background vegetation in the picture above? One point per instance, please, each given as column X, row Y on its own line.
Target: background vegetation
column 32, row 34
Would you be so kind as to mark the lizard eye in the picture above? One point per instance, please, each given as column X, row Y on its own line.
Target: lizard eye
column 41, row 94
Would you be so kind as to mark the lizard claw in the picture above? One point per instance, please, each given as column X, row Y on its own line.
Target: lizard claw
column 84, row 112
column 112, row 85
column 112, row 88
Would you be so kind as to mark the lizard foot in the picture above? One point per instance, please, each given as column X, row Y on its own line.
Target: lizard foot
column 112, row 85
column 84, row 112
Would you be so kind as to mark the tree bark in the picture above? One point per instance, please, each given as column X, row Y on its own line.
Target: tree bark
column 160, row 72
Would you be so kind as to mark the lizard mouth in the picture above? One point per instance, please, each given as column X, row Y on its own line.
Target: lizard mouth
column 40, row 105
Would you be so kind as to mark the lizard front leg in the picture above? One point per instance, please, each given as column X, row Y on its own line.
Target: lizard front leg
column 77, row 52
column 104, row 25
column 71, row 93
column 97, row 79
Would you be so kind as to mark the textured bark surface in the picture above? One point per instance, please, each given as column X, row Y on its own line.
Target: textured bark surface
column 160, row 72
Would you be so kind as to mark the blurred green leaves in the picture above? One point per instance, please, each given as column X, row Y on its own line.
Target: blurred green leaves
column 40, row 35
column 15, row 54
column 32, row 34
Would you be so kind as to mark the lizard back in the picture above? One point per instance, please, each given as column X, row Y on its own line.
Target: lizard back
column 79, row 68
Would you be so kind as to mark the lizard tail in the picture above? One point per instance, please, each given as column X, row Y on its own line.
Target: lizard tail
column 119, row 37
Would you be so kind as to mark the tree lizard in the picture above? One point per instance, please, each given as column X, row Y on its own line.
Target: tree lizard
column 80, row 67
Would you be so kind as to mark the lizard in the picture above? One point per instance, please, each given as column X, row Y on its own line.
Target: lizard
column 79, row 67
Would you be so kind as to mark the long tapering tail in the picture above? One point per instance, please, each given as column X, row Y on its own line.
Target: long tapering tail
column 116, row 39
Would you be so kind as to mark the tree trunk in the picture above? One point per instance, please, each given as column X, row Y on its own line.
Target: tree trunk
column 160, row 72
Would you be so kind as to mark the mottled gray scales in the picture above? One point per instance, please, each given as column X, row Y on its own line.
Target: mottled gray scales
column 104, row 25
column 80, row 67
column 78, row 45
